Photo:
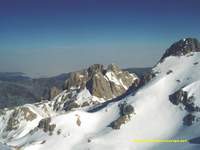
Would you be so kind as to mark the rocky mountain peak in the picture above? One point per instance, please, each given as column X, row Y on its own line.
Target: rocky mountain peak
column 76, row 80
column 94, row 69
column 182, row 47
column 114, row 68
column 103, row 83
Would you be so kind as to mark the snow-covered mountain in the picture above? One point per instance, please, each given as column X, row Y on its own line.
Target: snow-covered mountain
column 107, row 108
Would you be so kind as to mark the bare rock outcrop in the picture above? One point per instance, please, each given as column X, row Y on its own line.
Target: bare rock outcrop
column 182, row 47
column 105, row 83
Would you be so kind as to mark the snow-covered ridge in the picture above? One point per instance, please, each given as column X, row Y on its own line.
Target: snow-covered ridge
column 150, row 113
column 19, row 121
column 182, row 47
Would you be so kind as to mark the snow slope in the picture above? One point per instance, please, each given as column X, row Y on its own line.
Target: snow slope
column 155, row 116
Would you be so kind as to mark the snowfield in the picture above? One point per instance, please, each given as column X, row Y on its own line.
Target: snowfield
column 155, row 116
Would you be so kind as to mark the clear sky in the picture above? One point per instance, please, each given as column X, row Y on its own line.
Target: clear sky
column 48, row 37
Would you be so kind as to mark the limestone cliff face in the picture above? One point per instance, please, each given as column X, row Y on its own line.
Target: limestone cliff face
column 76, row 80
column 99, row 86
column 54, row 91
column 102, row 82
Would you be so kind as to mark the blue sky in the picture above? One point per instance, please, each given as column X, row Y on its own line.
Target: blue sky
column 48, row 37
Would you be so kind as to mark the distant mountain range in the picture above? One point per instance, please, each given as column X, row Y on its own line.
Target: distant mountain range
column 105, row 107
column 17, row 89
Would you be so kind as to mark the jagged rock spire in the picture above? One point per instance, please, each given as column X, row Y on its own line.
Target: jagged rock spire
column 103, row 83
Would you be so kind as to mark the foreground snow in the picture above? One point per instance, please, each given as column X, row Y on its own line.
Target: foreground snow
column 156, row 117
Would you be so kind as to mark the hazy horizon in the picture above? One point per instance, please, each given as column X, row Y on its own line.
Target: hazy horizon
column 46, row 38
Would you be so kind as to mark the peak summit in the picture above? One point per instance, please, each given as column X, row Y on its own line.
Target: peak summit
column 182, row 47
column 95, row 68
column 114, row 68
column 103, row 83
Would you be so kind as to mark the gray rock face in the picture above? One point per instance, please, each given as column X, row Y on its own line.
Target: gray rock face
column 93, row 69
column 189, row 119
column 46, row 126
column 19, row 114
column 147, row 77
column 125, row 116
column 103, row 83
column 182, row 47
column 76, row 80
column 181, row 97
column 126, row 109
column 99, row 86
column 54, row 91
